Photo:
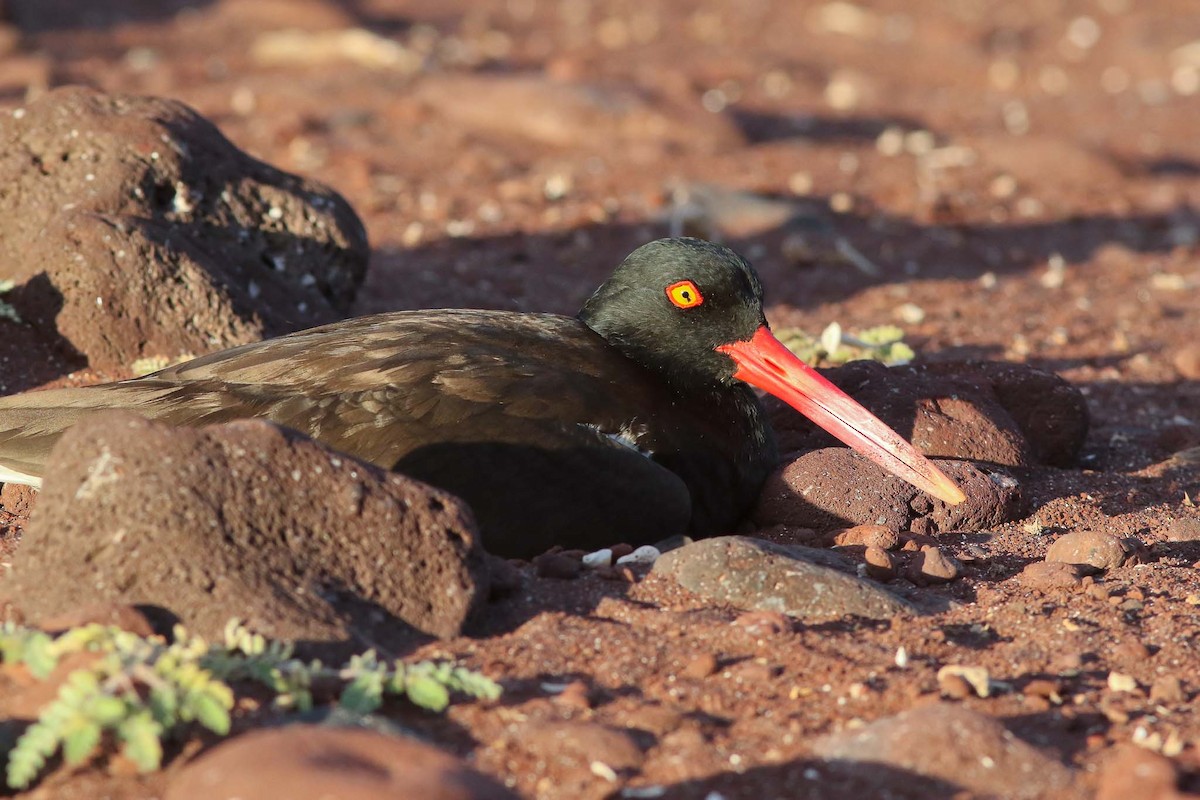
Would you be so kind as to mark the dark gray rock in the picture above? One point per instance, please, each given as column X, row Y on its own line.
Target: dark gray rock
column 836, row 487
column 763, row 576
column 1005, row 414
column 135, row 229
column 249, row 520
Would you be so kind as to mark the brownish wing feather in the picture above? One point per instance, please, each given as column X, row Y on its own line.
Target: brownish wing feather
column 374, row 387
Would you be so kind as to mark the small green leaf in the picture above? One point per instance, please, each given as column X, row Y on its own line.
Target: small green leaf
column 364, row 694
column 81, row 742
column 107, row 710
column 39, row 655
column 881, row 335
column 211, row 713
column 164, row 704
column 427, row 693
column 141, row 733
column 26, row 760
column 475, row 685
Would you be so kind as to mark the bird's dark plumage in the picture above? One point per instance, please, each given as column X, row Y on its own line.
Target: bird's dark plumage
column 549, row 431
column 634, row 421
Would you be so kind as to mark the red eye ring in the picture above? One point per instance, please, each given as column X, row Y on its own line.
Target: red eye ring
column 684, row 294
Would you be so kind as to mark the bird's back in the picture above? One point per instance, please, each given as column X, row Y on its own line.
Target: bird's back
column 422, row 391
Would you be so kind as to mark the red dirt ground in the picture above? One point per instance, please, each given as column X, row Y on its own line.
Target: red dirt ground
column 1025, row 174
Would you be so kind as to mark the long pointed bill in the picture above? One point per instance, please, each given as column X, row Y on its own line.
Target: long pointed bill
column 764, row 362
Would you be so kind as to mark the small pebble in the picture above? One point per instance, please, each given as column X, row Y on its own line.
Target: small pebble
column 976, row 677
column 868, row 535
column 1120, row 682
column 700, row 667
column 602, row 770
column 880, row 564
column 1167, row 689
column 955, row 687
column 1035, row 704
column 1187, row 362
column 1087, row 548
column 506, row 577
column 600, row 558
column 1131, row 652
column 1043, row 687
column 1067, row 664
column 1114, row 713
column 932, row 565
column 619, row 550
column 753, row 672
column 1046, row 576
column 574, row 695
column 646, row 554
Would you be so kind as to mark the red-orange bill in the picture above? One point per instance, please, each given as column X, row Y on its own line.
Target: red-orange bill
column 764, row 362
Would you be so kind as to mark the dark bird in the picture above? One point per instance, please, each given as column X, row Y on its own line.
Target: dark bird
column 633, row 421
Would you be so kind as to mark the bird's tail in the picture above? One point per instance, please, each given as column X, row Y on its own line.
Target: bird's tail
column 30, row 425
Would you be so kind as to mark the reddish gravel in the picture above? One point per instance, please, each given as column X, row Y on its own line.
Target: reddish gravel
column 1016, row 181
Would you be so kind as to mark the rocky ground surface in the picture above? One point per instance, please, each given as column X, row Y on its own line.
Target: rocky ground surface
column 1009, row 182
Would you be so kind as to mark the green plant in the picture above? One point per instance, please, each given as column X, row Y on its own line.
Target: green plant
column 883, row 343
column 6, row 310
column 140, row 690
column 150, row 364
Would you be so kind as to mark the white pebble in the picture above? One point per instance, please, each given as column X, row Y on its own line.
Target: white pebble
column 600, row 558
column 910, row 313
column 646, row 554
column 602, row 770
column 1120, row 682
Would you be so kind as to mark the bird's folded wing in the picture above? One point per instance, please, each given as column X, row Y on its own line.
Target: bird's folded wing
column 374, row 386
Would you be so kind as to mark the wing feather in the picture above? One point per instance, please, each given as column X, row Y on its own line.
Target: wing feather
column 375, row 387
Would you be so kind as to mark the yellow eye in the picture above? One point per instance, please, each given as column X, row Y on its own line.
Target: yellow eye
column 684, row 294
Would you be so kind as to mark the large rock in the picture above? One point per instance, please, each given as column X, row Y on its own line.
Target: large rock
column 309, row 762
column 1006, row 414
column 836, row 487
column 136, row 229
column 965, row 751
column 250, row 520
column 764, row 576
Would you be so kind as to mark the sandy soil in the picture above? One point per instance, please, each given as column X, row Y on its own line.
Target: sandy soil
column 1021, row 177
